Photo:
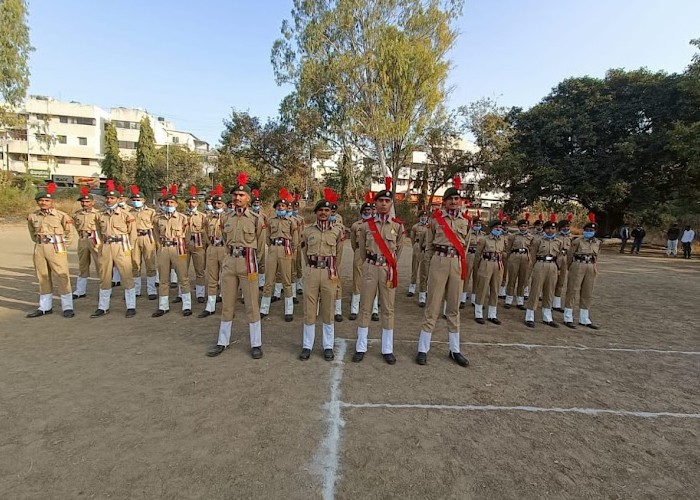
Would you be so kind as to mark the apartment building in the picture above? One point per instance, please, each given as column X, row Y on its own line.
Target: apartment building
column 64, row 141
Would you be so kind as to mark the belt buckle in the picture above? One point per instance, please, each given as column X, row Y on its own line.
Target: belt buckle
column 321, row 264
column 452, row 252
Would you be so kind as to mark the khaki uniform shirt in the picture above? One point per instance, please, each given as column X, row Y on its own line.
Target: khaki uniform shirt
column 86, row 220
column 244, row 230
column 321, row 242
column 50, row 223
column 583, row 246
column 391, row 231
column 436, row 236
column 170, row 226
column 354, row 234
column 284, row 227
column 115, row 223
column 515, row 241
column 418, row 233
column 489, row 244
column 541, row 247
column 145, row 218
column 195, row 225
column 214, row 228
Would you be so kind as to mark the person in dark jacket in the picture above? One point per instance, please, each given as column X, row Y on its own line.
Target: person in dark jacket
column 638, row 234
column 672, row 240
column 624, row 236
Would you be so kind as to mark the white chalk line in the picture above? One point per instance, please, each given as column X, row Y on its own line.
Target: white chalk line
column 531, row 409
column 328, row 456
column 547, row 346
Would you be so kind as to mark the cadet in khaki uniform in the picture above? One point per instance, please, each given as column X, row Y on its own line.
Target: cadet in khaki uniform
column 518, row 264
column 380, row 240
column 419, row 268
column 85, row 221
column 358, row 260
column 283, row 240
column 337, row 219
column 320, row 244
column 196, row 244
column 170, row 232
column 256, row 206
column 297, row 261
column 564, row 235
column 543, row 259
column 144, row 247
column 476, row 235
column 488, row 263
column 582, row 260
column 243, row 234
column 445, row 241
column 216, row 250
column 117, row 229
column 50, row 229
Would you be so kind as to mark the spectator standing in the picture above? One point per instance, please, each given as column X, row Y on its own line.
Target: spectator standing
column 638, row 234
column 624, row 236
column 687, row 240
column 672, row 240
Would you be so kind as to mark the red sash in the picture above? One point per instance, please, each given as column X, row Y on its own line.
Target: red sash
column 453, row 239
column 385, row 252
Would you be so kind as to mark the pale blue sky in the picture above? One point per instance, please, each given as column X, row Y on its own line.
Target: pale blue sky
column 192, row 61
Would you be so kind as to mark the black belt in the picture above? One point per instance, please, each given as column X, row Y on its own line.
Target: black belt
column 169, row 243
column 546, row 258
column 143, row 232
column 446, row 251
column 471, row 250
column 318, row 261
column 238, row 251
column 374, row 258
column 587, row 258
column 563, row 252
column 492, row 256
column 519, row 250
column 279, row 241
column 113, row 239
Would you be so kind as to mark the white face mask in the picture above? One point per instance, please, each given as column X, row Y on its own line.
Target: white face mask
column 218, row 210
column 169, row 210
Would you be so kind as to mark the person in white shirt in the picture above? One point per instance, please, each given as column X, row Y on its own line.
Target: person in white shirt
column 687, row 240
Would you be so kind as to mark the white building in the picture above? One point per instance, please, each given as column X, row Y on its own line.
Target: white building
column 64, row 141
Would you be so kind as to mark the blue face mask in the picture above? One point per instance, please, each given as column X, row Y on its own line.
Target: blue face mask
column 548, row 236
column 209, row 207
column 496, row 232
column 423, row 220
column 218, row 210
column 589, row 234
column 289, row 213
column 122, row 203
column 565, row 232
column 137, row 204
column 477, row 229
column 295, row 212
column 281, row 213
column 366, row 216
column 169, row 210
column 256, row 208
column 331, row 218
column 191, row 210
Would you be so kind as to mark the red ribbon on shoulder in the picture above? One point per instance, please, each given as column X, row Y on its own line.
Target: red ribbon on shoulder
column 454, row 240
column 386, row 252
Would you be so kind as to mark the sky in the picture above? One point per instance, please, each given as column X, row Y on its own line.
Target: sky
column 192, row 62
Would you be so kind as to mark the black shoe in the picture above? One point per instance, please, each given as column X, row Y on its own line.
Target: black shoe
column 358, row 356
column 295, row 300
column 389, row 358
column 507, row 306
column 300, row 291
column 551, row 323
column 495, row 321
column 98, row 313
column 68, row 313
column 263, row 315
column 173, row 285
column 530, row 324
column 116, row 283
column 522, row 307
column 39, row 312
column 157, row 285
column 130, row 313
column 501, row 296
column 375, row 317
column 159, row 313
column 187, row 312
column 481, row 321
column 338, row 318
column 288, row 318
column 410, row 294
column 458, row 358
column 570, row 324
column 305, row 354
column 421, row 304
column 204, row 314
column 218, row 299
column 558, row 309
column 152, row 296
column 462, row 305
column 256, row 352
column 76, row 296
column 352, row 317
column 274, row 299
column 138, row 294
column 592, row 326
column 177, row 300
column 201, row 300
column 215, row 350
column 328, row 354
column 422, row 358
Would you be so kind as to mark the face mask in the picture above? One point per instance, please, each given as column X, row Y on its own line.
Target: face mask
column 548, row 236
column 366, row 216
column 423, row 220
column 295, row 212
column 218, row 210
column 122, row 203
column 191, row 210
column 169, row 210
column 112, row 207
column 331, row 218
column 209, row 207
column 477, row 229
column 256, row 208
column 289, row 213
column 523, row 231
column 565, row 231
column 588, row 234
column 496, row 232
column 281, row 213
column 137, row 204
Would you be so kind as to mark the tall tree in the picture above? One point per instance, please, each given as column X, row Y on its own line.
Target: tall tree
column 112, row 164
column 374, row 71
column 14, row 58
column 148, row 177
column 185, row 167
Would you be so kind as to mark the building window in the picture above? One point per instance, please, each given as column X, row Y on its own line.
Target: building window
column 85, row 161
column 82, row 141
column 63, row 119
column 176, row 140
column 134, row 125
column 61, row 139
column 61, row 159
column 127, row 145
column 85, row 121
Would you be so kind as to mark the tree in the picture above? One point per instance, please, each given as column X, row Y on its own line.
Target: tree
column 14, row 58
column 185, row 167
column 374, row 71
column 112, row 164
column 148, row 177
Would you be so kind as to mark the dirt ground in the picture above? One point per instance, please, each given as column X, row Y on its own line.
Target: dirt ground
column 132, row 408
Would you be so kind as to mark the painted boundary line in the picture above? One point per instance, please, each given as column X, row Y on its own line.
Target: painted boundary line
column 546, row 346
column 327, row 461
column 531, row 409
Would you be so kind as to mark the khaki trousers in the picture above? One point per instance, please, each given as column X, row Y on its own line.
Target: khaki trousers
column 278, row 264
column 444, row 283
column 544, row 277
column 197, row 257
column 357, row 263
column 215, row 258
column 561, row 279
column 374, row 280
column 144, row 250
column 488, row 279
column 338, row 261
column 50, row 265
column 169, row 258
column 518, row 271
column 318, row 289
column 114, row 255
column 297, row 267
column 581, row 280
column 234, row 275
column 470, row 282
column 87, row 254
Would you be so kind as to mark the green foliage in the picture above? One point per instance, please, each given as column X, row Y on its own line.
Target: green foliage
column 147, row 176
column 184, row 167
column 112, row 165
column 14, row 57
column 15, row 199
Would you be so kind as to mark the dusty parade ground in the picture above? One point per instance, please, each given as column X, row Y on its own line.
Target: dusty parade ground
column 132, row 408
